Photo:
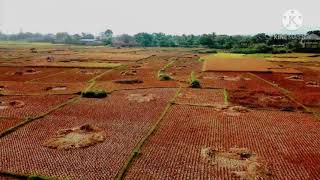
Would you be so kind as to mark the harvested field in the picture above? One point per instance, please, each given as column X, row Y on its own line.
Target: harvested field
column 234, row 81
column 201, row 96
column 305, row 88
column 243, row 65
column 262, row 99
column 22, row 88
column 181, row 68
column 21, row 74
column 149, row 123
column 123, row 126
column 29, row 106
column 72, row 76
column 174, row 151
column 6, row 123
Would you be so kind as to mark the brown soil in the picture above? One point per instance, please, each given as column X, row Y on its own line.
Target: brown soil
column 128, row 81
column 78, row 137
column 261, row 99
column 243, row 163
column 243, row 64
column 141, row 97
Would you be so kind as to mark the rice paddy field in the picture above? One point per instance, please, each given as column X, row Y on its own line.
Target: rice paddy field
column 249, row 117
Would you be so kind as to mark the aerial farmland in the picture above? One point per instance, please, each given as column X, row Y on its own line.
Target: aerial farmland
column 83, row 112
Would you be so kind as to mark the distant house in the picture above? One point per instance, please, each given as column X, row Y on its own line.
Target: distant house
column 310, row 41
column 91, row 42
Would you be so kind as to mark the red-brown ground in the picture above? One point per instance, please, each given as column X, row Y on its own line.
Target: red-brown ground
column 72, row 76
column 201, row 96
column 25, row 74
column 234, row 80
column 244, row 65
column 262, row 99
column 31, row 106
column 305, row 88
column 6, row 123
column 201, row 136
column 23, row 88
column 287, row 141
column 125, row 122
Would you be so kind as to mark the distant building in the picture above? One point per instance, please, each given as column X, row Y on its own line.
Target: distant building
column 91, row 42
column 310, row 41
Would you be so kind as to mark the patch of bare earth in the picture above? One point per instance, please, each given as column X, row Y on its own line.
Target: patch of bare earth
column 77, row 137
column 11, row 104
column 243, row 163
column 24, row 72
column 295, row 78
column 56, row 88
column 314, row 84
column 140, row 98
column 232, row 110
column 262, row 99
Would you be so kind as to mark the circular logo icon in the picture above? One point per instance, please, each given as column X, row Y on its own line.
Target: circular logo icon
column 292, row 19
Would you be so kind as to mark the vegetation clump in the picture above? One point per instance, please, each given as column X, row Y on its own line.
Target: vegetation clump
column 207, row 51
column 194, row 82
column 162, row 76
column 94, row 94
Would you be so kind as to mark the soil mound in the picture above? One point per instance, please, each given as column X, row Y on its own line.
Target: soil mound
column 242, row 163
column 295, row 78
column 140, row 98
column 312, row 84
column 78, row 137
column 11, row 104
column 261, row 99
column 56, row 88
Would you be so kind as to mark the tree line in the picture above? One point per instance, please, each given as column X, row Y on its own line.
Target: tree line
column 259, row 43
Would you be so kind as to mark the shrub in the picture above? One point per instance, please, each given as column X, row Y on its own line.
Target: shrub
column 206, row 51
column 94, row 94
column 194, row 82
column 280, row 50
column 258, row 48
column 162, row 76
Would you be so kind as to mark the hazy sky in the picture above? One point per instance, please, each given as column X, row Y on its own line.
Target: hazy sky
column 168, row 16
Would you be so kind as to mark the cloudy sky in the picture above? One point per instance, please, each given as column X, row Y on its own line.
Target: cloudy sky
column 168, row 16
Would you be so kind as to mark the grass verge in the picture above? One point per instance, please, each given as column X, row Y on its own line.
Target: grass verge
column 226, row 97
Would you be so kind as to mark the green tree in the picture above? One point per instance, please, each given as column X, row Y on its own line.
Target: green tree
column 144, row 39
column 208, row 40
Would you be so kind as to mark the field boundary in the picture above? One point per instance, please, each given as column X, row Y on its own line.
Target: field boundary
column 137, row 149
column 226, row 96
